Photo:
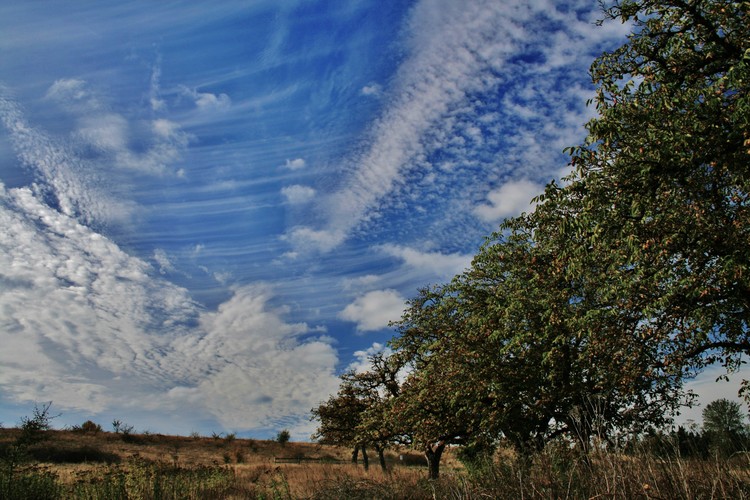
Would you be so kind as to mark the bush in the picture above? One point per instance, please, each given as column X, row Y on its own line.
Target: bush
column 90, row 426
column 121, row 428
column 283, row 437
column 33, row 428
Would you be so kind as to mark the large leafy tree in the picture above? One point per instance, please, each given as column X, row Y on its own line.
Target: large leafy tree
column 658, row 202
column 443, row 385
column 586, row 315
column 513, row 348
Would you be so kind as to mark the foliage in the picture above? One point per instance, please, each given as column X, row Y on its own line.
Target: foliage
column 31, row 483
column 658, row 202
column 88, row 426
column 510, row 349
column 580, row 321
column 120, row 427
column 33, row 428
column 724, row 425
column 283, row 437
column 16, row 482
column 359, row 414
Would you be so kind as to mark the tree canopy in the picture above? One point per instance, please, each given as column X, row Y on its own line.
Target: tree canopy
column 583, row 318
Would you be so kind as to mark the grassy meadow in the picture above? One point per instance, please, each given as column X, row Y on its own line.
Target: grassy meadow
column 78, row 464
column 107, row 465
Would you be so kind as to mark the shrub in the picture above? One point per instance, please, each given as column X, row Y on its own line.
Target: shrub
column 283, row 437
column 90, row 426
column 33, row 428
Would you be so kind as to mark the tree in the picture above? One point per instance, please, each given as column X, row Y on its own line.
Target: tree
column 378, row 386
column 724, row 425
column 356, row 415
column 339, row 418
column 513, row 348
column 659, row 198
column 283, row 437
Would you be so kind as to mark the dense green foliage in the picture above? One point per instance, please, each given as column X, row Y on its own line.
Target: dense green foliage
column 658, row 201
column 583, row 318
column 724, row 427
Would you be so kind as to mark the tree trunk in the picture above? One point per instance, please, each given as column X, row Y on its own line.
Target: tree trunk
column 365, row 458
column 381, row 458
column 355, row 454
column 433, row 455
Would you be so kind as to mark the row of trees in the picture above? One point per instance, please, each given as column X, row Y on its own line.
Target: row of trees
column 584, row 317
column 724, row 433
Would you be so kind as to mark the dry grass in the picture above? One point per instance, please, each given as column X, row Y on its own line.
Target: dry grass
column 251, row 463
column 156, row 466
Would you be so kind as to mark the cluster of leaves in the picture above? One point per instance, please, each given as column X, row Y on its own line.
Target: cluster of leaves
column 584, row 317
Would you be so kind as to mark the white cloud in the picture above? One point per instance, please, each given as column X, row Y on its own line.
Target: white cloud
column 308, row 239
column 374, row 310
column 509, row 200
column 298, row 194
column 73, row 93
column 372, row 90
column 206, row 101
column 104, row 132
column 296, row 164
column 256, row 369
column 161, row 258
column 79, row 326
column 74, row 184
column 157, row 103
column 433, row 263
column 461, row 56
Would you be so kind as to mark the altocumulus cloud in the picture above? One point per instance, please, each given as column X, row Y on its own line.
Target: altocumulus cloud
column 435, row 132
column 95, row 329
column 76, row 323
column 374, row 310
column 508, row 200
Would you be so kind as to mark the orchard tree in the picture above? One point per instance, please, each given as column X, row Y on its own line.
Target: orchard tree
column 357, row 415
column 514, row 349
column 658, row 203
column 339, row 418
column 436, row 401
column 379, row 385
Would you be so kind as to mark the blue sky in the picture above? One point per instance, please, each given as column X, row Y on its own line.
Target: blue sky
column 210, row 211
